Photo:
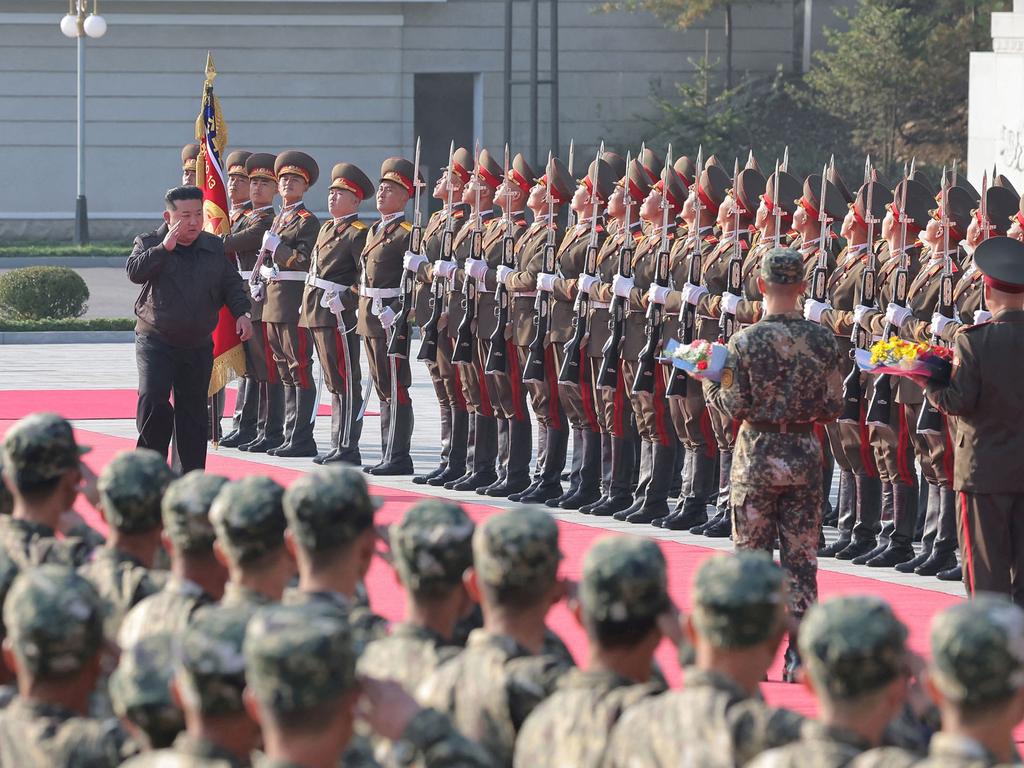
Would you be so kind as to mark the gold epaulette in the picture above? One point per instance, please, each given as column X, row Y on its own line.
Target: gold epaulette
column 357, row 224
column 406, row 226
column 304, row 213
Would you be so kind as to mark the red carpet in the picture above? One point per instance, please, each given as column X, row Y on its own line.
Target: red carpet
column 914, row 606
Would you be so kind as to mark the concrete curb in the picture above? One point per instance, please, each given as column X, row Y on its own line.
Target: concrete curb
column 66, row 337
column 75, row 262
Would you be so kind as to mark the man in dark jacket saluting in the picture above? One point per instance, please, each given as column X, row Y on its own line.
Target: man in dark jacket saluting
column 185, row 279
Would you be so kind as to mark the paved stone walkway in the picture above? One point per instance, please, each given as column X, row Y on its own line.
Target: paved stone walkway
column 112, row 366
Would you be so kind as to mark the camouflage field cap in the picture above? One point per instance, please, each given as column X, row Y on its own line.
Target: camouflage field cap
column 298, row 657
column 210, row 665
column 329, row 508
column 737, row 599
column 248, row 517
column 186, row 510
column 518, row 548
column 433, row 544
column 40, row 447
column 131, row 487
column 6, row 499
column 139, row 689
column 978, row 651
column 54, row 620
column 782, row 266
column 624, row 579
column 853, row 645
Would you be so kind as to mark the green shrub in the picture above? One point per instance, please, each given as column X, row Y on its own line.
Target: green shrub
column 7, row 325
column 35, row 293
column 39, row 250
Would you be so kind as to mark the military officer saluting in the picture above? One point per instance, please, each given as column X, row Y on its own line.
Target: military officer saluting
column 329, row 307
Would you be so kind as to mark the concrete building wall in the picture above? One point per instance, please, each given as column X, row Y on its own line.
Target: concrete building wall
column 333, row 78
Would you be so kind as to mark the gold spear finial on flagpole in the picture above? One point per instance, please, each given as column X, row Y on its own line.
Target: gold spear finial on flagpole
column 211, row 71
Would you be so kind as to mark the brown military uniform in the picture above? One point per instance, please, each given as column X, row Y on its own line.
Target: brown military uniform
column 244, row 242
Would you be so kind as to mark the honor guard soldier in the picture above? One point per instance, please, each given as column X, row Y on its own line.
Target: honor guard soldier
column 262, row 387
column 463, row 327
column 189, row 155
column 379, row 303
column 521, row 281
column 329, row 308
column 614, row 412
column 429, row 300
column 283, row 264
column 505, row 383
column 588, row 202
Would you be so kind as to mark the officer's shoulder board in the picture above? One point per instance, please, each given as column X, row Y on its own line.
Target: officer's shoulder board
column 357, row 224
column 304, row 212
column 711, row 239
column 406, row 226
column 458, row 213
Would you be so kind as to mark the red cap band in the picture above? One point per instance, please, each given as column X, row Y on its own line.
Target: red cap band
column 999, row 285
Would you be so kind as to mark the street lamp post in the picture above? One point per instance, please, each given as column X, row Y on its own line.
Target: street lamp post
column 80, row 23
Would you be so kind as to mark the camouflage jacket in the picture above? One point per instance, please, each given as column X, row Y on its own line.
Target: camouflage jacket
column 712, row 722
column 37, row 735
column 820, row 746
column 947, row 750
column 238, row 596
column 121, row 582
column 28, row 543
column 365, row 624
column 408, row 655
column 572, row 726
column 188, row 752
column 490, row 689
column 781, row 369
column 169, row 610
column 7, row 694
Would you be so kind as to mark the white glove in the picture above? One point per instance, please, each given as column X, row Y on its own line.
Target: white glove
column 730, row 301
column 413, row 261
column 860, row 312
column 586, row 282
column 504, row 273
column 476, row 268
column 621, row 286
column 445, row 269
column 897, row 315
column 545, row 282
column 813, row 310
column 657, row 294
column 387, row 317
column 257, row 291
column 334, row 303
column 693, row 293
column 982, row 316
column 939, row 323
column 270, row 241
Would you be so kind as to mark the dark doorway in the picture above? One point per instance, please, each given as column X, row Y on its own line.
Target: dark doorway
column 442, row 111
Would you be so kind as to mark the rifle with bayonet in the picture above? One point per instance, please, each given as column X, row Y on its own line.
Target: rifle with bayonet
column 986, row 227
column 438, row 288
column 465, row 338
column 401, row 338
column 533, row 371
column 819, row 278
column 611, row 355
column 734, row 273
column 678, row 380
column 930, row 421
column 497, row 354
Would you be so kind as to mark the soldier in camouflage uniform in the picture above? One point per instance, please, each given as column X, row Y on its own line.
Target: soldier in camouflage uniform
column 718, row 719
column 141, row 695
column 622, row 598
column 54, row 621
column 6, row 499
column 782, row 377
column 131, row 488
column 492, row 686
column 196, row 577
column 209, row 677
column 8, row 689
column 43, row 471
column 431, row 548
column 857, row 662
column 248, row 518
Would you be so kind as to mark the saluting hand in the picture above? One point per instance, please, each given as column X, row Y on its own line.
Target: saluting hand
column 170, row 240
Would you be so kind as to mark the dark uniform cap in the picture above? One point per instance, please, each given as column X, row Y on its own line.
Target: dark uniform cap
column 836, row 179
column 1004, row 183
column 748, row 188
column 853, row 645
column 959, row 210
column 639, row 184
column 881, row 196
column 789, row 191
column 672, row 186
column 521, row 174
column 978, row 651
column 350, row 177
column 963, row 181
column 260, row 165
column 616, row 162
column 1001, row 261
column 462, row 161
column 919, row 202
column 400, row 171
column 54, row 620
column 248, row 517
column 1001, row 205
column 737, row 599
column 782, row 266
column 139, row 688
column 189, row 153
column 186, row 510
column 922, row 178
column 328, row 509
column 488, row 170
column 517, row 549
column 652, row 164
column 433, row 544
column 686, row 169
column 6, row 499
column 712, row 187
column 624, row 579
column 605, row 179
column 298, row 657
column 210, row 664
column 562, row 184
column 131, row 488
column 298, row 163
column 835, row 203
column 40, row 447
column 236, row 162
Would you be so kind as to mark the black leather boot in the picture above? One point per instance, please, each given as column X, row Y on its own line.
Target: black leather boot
column 336, row 418
column 485, row 454
column 550, row 485
column 643, row 480
column 248, row 415
column 684, row 459
column 620, row 492
column 928, row 533
column 951, row 574
column 270, row 430
column 721, row 526
column 290, row 405
column 886, row 520
column 517, row 467
column 446, row 447
column 606, row 474
column 693, row 510
column 589, row 489
column 302, row 442
column 455, row 466
column 943, row 555
column 470, row 452
column 655, row 498
column 398, row 462
column 575, row 470
column 900, row 549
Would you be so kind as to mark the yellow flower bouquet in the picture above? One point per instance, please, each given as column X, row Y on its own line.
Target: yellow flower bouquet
column 897, row 357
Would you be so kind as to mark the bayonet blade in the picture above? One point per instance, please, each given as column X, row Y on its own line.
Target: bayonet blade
column 785, row 159
column 417, row 184
column 572, row 154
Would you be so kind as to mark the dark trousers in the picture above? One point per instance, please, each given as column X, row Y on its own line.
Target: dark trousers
column 186, row 372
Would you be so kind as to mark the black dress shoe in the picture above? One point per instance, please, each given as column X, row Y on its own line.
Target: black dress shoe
column 721, row 529
column 579, row 500
column 646, row 515
column 450, row 473
column 951, row 574
column 910, row 565
column 892, row 556
column 392, row 468
column 237, row 438
column 541, row 494
column 326, row 457
column 423, row 479
column 504, row 489
column 476, row 480
column 685, row 520
column 450, row 485
column 610, row 507
column 518, row 497
column 856, row 549
column 296, row 451
column 585, row 509
column 935, row 563
column 863, row 559
column 834, row 548
column 553, row 503
column 369, row 469
column 261, row 446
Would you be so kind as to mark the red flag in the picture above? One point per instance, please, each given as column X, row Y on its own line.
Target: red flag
column 211, row 132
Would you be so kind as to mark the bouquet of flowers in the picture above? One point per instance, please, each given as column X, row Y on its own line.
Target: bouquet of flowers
column 701, row 359
column 907, row 358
